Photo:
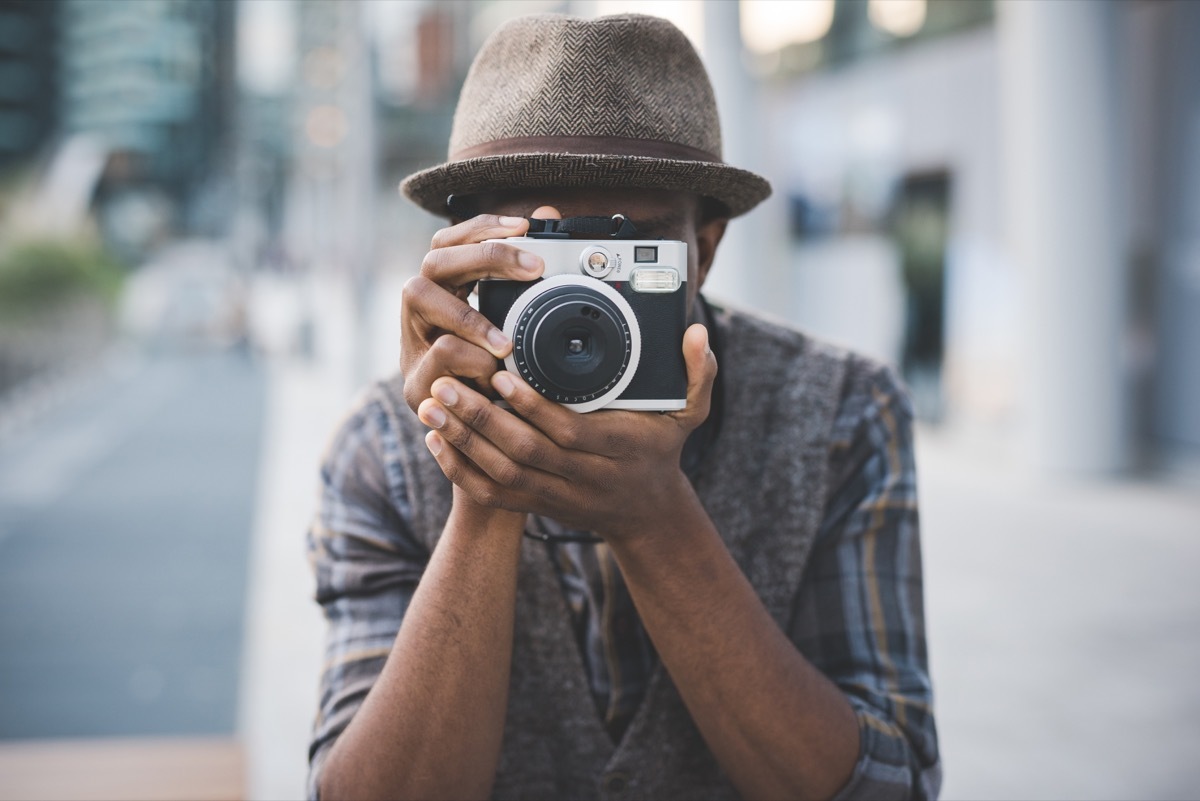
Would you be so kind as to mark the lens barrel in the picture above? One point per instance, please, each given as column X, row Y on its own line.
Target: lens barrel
column 572, row 344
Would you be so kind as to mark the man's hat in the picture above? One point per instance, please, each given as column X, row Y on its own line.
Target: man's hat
column 559, row 101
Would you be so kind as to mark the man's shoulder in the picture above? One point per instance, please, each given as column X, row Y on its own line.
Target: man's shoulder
column 759, row 347
column 754, row 341
column 372, row 421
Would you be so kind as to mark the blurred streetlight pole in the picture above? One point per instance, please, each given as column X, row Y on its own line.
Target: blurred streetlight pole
column 750, row 262
column 1060, row 104
column 337, row 159
column 361, row 171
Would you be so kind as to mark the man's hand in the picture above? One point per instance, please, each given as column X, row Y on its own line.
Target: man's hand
column 612, row 472
column 442, row 334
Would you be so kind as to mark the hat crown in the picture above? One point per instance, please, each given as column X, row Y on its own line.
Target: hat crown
column 631, row 77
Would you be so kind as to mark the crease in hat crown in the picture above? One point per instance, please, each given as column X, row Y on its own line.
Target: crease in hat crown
column 554, row 100
column 630, row 76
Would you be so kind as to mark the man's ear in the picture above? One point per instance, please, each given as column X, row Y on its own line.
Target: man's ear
column 708, row 236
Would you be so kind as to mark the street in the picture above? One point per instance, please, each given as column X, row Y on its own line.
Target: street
column 155, row 523
column 1062, row 617
column 125, row 526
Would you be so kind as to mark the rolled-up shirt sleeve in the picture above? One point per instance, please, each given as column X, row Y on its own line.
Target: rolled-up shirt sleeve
column 367, row 565
column 859, row 615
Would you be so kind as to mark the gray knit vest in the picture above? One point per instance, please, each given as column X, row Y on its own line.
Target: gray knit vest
column 763, row 483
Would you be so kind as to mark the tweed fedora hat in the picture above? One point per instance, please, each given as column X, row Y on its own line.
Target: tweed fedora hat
column 559, row 101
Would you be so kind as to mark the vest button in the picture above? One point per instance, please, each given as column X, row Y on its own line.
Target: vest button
column 616, row 782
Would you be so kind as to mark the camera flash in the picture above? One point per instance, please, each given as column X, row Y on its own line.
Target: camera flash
column 658, row 279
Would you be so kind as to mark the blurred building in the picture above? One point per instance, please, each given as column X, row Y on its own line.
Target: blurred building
column 1015, row 238
column 154, row 81
column 28, row 77
column 150, row 83
column 1002, row 198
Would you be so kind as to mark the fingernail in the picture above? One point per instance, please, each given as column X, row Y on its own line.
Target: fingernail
column 434, row 443
column 446, row 394
column 503, row 384
column 496, row 339
column 529, row 261
column 512, row 222
column 435, row 417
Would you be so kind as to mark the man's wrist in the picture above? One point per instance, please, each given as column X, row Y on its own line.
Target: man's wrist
column 473, row 520
column 673, row 510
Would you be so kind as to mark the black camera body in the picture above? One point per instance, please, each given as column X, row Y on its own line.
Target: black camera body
column 603, row 327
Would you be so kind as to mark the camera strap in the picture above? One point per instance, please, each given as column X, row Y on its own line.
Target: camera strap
column 617, row 226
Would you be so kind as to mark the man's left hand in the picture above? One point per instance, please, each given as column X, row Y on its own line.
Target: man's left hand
column 611, row 472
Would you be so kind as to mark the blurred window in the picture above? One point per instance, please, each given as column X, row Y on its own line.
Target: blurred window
column 817, row 34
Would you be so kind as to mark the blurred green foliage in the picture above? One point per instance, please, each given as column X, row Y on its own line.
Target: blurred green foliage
column 41, row 276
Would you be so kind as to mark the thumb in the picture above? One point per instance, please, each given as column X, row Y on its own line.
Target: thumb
column 701, row 371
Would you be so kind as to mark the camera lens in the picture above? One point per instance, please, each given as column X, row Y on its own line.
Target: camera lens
column 572, row 344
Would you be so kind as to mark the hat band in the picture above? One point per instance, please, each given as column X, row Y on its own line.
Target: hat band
column 586, row 145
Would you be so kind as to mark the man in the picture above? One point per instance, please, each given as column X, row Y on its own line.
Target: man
column 750, row 622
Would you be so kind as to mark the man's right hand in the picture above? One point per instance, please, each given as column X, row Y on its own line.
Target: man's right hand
column 442, row 334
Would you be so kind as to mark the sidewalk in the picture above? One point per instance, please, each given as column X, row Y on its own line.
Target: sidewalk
column 1064, row 632
column 282, row 653
column 134, row 769
column 1062, row 616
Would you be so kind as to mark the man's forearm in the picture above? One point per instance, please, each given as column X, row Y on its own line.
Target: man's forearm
column 431, row 726
column 779, row 727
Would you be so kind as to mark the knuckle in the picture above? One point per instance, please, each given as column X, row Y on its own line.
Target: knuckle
column 441, row 238
column 573, row 470
column 511, row 475
column 443, row 347
column 471, row 320
column 453, row 472
column 407, row 361
column 570, row 435
column 477, row 415
column 492, row 252
column 432, row 263
column 527, row 450
column 460, row 437
column 487, row 496
column 554, row 495
column 411, row 396
column 414, row 289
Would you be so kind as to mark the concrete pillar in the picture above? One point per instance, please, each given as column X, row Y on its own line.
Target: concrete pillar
column 1177, row 418
column 750, row 263
column 1059, row 94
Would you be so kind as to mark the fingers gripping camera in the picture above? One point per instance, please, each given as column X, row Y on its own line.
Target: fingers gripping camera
column 603, row 327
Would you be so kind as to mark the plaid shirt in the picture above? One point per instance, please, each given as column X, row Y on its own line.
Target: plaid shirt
column 858, row 616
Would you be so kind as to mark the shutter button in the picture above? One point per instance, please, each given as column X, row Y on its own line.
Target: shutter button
column 616, row 782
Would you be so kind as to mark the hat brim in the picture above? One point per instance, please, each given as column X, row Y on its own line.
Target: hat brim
column 739, row 190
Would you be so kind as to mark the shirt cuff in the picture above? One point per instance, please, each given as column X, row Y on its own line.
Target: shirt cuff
column 884, row 769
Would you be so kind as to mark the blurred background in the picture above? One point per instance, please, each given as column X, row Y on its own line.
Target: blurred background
column 201, row 253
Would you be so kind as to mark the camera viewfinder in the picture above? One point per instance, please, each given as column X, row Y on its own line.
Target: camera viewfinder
column 645, row 254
